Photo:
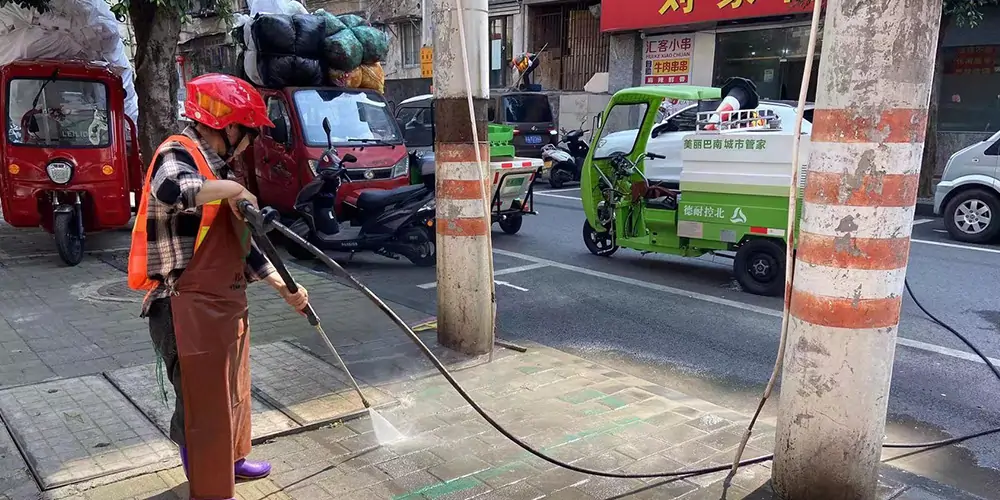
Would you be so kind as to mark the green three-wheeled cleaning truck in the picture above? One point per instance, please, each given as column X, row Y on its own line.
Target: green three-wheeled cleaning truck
column 731, row 194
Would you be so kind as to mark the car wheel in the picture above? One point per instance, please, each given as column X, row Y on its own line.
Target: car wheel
column 759, row 267
column 971, row 216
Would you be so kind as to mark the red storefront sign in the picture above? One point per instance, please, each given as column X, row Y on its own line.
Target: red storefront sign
column 621, row 15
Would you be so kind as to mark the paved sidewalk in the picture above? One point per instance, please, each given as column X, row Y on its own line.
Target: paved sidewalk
column 84, row 417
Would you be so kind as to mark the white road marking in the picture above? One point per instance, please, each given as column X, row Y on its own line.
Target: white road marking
column 947, row 351
column 640, row 283
column 915, row 223
column 914, row 344
column 558, row 196
column 515, row 287
column 509, row 270
column 953, row 245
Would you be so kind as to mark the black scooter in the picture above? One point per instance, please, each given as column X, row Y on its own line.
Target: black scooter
column 567, row 158
column 390, row 223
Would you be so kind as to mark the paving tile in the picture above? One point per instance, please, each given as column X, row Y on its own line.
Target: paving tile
column 663, row 489
column 15, row 478
column 516, row 491
column 556, row 479
column 140, row 384
column 642, row 448
column 304, row 385
column 89, row 430
column 506, row 474
column 456, row 469
column 569, row 494
column 607, row 487
column 690, row 453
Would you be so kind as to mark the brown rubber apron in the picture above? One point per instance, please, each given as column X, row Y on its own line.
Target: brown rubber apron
column 213, row 343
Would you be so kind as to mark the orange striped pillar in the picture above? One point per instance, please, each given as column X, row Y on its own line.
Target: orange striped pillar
column 465, row 318
column 867, row 141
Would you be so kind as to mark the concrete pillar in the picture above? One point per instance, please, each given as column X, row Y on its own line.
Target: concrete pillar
column 624, row 61
column 867, row 138
column 464, row 257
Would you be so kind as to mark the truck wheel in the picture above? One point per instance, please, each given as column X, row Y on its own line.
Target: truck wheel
column 971, row 216
column 601, row 243
column 760, row 267
column 69, row 240
column 511, row 224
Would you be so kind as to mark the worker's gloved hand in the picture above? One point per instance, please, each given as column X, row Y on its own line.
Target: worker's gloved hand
column 298, row 300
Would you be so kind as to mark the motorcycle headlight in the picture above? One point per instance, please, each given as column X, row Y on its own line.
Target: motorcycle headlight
column 401, row 168
column 313, row 165
column 60, row 172
column 429, row 205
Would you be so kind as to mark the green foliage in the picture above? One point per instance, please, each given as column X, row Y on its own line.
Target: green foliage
column 967, row 12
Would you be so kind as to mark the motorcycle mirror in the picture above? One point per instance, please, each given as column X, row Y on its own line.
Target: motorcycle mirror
column 349, row 158
column 326, row 128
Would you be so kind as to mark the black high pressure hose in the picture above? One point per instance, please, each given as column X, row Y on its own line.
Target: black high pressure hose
column 261, row 221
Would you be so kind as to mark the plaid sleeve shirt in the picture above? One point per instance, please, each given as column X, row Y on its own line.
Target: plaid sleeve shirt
column 173, row 217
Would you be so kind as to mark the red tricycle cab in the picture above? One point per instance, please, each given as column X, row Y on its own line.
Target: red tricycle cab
column 70, row 157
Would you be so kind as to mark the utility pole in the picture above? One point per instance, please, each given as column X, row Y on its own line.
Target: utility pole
column 466, row 309
column 867, row 138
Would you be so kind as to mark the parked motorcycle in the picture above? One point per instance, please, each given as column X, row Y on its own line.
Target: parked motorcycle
column 388, row 222
column 565, row 161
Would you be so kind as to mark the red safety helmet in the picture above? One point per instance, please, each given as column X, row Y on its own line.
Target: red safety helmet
column 216, row 100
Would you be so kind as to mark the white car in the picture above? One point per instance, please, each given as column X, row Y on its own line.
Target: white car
column 667, row 137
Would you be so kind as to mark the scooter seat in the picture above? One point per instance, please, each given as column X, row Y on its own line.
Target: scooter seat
column 377, row 199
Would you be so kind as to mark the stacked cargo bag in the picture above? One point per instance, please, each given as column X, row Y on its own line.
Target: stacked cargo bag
column 284, row 50
column 353, row 50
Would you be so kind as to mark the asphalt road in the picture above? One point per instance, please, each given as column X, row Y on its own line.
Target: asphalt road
column 685, row 323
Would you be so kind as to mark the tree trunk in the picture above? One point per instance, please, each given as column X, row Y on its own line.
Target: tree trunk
column 157, row 30
column 929, row 163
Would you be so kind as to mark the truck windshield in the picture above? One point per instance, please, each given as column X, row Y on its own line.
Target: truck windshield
column 356, row 117
column 68, row 113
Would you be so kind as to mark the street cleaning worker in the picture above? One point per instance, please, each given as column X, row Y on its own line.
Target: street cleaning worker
column 195, row 257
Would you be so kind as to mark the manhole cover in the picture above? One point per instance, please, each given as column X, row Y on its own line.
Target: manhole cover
column 109, row 290
column 119, row 290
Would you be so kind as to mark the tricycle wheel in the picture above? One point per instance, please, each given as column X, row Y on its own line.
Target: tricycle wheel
column 297, row 251
column 511, row 224
column 69, row 239
column 760, row 267
column 600, row 243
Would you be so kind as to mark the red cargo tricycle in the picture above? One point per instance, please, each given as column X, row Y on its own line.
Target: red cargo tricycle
column 70, row 156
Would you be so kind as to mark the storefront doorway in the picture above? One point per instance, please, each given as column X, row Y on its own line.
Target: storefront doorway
column 774, row 58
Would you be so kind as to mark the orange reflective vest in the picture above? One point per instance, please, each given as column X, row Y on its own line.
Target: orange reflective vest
column 138, row 271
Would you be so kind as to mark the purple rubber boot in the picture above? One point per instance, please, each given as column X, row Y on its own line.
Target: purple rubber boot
column 249, row 469
column 245, row 469
column 184, row 460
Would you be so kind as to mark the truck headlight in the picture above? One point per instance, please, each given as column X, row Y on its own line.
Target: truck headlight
column 401, row 168
column 60, row 172
column 313, row 165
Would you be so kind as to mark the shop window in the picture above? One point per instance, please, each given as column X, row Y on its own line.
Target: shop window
column 969, row 100
column 774, row 59
column 409, row 38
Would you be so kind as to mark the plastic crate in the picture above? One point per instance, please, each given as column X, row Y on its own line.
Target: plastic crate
column 500, row 137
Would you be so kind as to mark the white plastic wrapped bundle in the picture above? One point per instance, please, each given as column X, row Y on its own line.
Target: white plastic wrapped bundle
column 70, row 30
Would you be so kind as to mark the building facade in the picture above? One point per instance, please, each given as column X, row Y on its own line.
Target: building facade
column 664, row 42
